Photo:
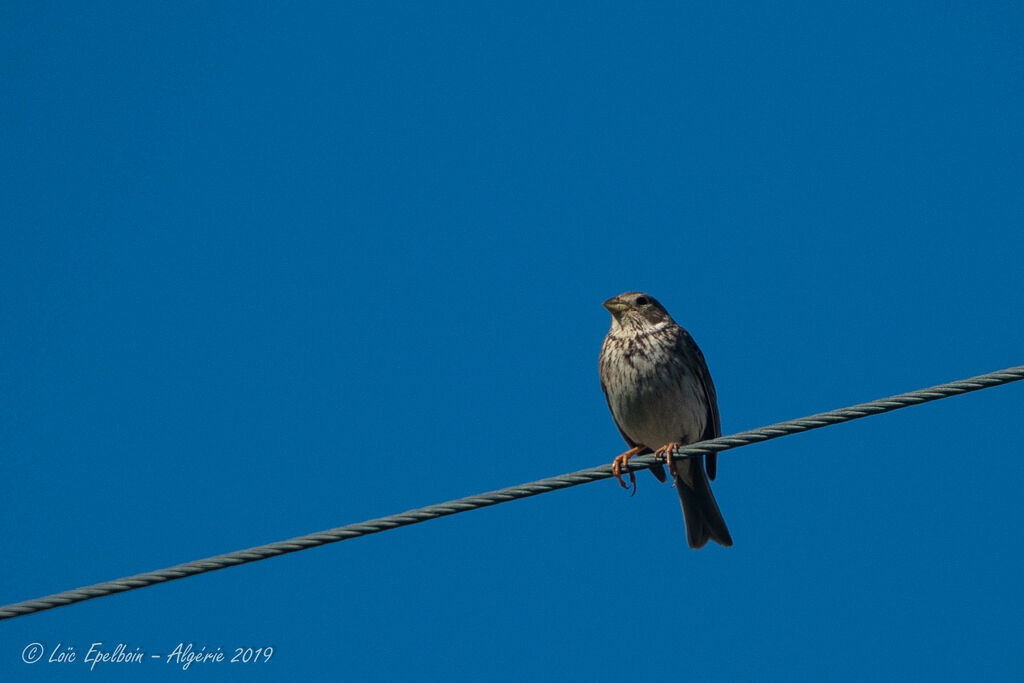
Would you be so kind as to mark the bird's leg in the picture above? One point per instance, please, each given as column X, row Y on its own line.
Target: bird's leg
column 621, row 462
column 666, row 450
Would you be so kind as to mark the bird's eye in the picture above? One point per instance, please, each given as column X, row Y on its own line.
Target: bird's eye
column 642, row 301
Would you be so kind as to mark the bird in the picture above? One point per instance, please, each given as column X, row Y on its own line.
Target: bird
column 661, row 396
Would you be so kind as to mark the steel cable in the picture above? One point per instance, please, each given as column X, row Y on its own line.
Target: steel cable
column 342, row 533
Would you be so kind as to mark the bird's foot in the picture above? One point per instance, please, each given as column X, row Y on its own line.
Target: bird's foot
column 622, row 462
column 666, row 451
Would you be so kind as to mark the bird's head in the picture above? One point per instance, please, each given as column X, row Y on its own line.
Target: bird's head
column 636, row 311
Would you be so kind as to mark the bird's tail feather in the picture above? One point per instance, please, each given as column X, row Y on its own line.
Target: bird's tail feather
column 700, row 511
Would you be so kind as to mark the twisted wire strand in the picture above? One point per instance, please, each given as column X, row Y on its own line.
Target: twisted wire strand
column 342, row 533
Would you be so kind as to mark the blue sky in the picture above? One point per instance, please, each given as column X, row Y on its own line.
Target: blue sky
column 268, row 269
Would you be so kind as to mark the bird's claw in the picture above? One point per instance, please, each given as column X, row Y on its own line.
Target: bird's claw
column 666, row 452
column 622, row 462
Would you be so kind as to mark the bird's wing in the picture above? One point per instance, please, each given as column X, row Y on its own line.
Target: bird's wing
column 658, row 470
column 698, row 366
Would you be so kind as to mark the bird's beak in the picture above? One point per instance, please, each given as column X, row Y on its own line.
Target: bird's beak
column 615, row 305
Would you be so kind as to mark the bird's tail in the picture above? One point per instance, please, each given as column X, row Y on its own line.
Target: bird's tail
column 700, row 511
